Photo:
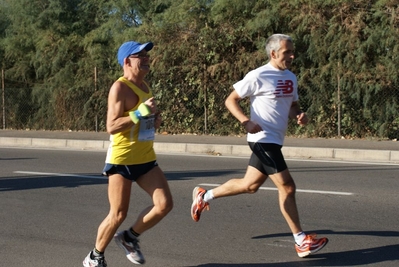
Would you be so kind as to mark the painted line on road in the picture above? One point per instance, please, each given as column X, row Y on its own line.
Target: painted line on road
column 203, row 184
column 62, row 174
column 339, row 161
column 298, row 190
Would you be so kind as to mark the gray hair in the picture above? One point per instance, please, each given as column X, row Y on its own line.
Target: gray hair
column 273, row 42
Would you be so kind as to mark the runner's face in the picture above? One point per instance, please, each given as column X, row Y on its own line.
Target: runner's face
column 282, row 59
column 140, row 60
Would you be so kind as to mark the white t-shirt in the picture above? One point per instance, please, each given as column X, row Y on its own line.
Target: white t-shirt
column 271, row 92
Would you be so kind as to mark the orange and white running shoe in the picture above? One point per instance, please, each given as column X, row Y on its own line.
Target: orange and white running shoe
column 310, row 245
column 198, row 203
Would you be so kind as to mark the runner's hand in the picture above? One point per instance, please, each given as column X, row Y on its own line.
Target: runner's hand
column 251, row 127
column 302, row 119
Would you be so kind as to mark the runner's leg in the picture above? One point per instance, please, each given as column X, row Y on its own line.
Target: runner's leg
column 286, row 192
column 155, row 184
column 253, row 179
column 119, row 189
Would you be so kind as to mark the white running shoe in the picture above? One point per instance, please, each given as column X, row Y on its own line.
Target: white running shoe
column 95, row 262
column 132, row 249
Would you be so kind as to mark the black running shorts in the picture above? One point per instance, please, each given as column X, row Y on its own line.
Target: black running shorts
column 130, row 172
column 267, row 158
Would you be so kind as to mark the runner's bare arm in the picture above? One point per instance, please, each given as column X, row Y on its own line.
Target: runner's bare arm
column 116, row 121
column 298, row 114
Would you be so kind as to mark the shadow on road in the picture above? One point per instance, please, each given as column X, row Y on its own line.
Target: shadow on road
column 37, row 182
column 75, row 180
column 358, row 257
column 346, row 258
column 330, row 232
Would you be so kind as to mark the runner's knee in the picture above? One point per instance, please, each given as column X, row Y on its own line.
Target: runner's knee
column 164, row 206
column 288, row 188
column 117, row 217
column 252, row 188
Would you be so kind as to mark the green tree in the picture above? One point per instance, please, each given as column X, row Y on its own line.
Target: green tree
column 54, row 48
column 63, row 56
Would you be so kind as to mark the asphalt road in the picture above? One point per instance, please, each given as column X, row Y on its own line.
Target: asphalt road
column 52, row 202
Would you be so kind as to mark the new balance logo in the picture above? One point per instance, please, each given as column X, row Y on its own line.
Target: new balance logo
column 284, row 88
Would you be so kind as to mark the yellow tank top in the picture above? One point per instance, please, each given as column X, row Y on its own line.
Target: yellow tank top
column 134, row 145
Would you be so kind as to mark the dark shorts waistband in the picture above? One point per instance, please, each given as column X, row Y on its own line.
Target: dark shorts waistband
column 130, row 172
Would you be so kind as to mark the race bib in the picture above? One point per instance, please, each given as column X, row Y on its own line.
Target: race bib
column 147, row 129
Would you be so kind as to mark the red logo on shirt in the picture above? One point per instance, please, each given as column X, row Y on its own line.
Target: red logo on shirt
column 284, row 88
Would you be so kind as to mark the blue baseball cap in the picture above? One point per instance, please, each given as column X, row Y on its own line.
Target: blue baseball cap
column 131, row 47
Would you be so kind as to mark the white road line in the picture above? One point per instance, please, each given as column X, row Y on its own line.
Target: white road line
column 203, row 184
column 339, row 161
column 298, row 190
column 345, row 162
column 62, row 174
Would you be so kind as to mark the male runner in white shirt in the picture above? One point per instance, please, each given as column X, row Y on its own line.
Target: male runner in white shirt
column 272, row 90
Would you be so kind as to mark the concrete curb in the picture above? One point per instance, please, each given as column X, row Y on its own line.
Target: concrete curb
column 388, row 156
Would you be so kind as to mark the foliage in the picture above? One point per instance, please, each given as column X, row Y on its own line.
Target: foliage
column 64, row 54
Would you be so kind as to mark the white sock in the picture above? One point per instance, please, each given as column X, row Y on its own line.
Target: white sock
column 299, row 237
column 208, row 195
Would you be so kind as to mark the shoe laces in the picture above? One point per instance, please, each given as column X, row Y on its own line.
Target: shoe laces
column 100, row 261
column 202, row 203
column 311, row 236
column 134, row 244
